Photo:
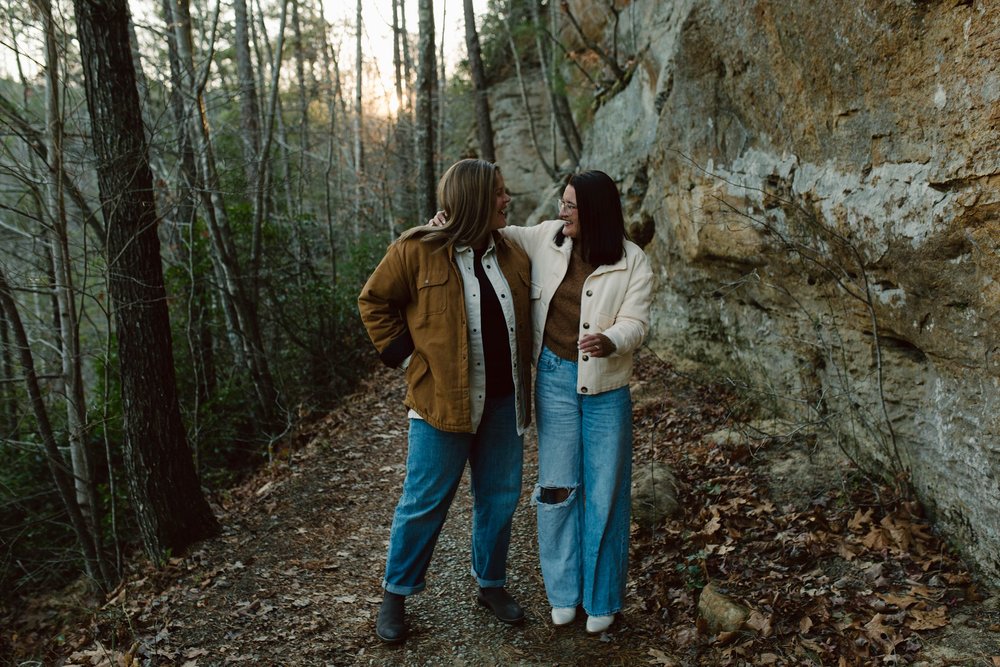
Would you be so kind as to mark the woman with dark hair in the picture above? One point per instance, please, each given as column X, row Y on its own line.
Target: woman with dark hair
column 591, row 291
column 451, row 305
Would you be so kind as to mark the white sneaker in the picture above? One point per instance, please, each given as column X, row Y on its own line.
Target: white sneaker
column 598, row 624
column 563, row 615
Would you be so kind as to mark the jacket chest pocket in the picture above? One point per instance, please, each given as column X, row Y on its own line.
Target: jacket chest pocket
column 432, row 291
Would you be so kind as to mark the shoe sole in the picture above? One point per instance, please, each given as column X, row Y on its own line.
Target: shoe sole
column 601, row 631
column 386, row 640
column 564, row 623
column 515, row 621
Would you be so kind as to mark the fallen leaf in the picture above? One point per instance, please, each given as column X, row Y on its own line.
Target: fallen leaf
column 881, row 633
column 845, row 552
column 875, row 540
column 859, row 520
column 928, row 620
column 661, row 658
column 804, row 624
column 759, row 622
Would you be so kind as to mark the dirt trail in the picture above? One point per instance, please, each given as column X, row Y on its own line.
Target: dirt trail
column 295, row 577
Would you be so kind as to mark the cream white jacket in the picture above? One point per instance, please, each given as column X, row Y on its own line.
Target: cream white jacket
column 615, row 302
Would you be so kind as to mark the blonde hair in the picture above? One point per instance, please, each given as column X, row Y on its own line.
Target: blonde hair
column 466, row 193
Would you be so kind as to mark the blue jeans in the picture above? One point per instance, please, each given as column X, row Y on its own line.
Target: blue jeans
column 434, row 466
column 585, row 447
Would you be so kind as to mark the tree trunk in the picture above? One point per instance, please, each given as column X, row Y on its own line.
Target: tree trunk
column 263, row 169
column 484, row 126
column 549, row 168
column 274, row 58
column 194, row 189
column 425, row 116
column 442, row 86
column 331, row 67
column 397, row 58
column 300, row 83
column 236, row 288
column 407, row 57
column 57, row 466
column 69, row 330
column 171, row 509
column 359, row 156
column 8, row 395
column 200, row 339
column 249, row 106
column 554, row 86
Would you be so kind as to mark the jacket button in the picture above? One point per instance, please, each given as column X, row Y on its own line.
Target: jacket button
column 583, row 390
column 586, row 325
column 590, row 292
column 586, row 358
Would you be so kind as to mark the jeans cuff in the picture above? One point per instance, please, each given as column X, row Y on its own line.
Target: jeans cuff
column 402, row 590
column 616, row 610
column 488, row 583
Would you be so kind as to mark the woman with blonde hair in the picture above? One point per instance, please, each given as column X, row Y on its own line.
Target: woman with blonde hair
column 450, row 304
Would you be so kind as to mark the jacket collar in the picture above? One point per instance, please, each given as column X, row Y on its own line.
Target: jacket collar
column 491, row 245
column 567, row 247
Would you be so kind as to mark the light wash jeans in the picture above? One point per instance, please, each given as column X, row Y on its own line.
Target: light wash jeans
column 434, row 466
column 584, row 445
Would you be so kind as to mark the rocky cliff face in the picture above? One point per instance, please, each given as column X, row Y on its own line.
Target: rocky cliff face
column 819, row 188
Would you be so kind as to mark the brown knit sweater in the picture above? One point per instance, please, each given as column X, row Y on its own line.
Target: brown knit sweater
column 562, row 325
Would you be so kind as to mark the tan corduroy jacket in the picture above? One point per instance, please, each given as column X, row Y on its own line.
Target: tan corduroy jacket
column 413, row 303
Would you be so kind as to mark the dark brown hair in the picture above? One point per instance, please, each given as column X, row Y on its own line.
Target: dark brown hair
column 601, row 222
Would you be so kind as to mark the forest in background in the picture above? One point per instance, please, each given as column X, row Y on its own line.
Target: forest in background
column 253, row 164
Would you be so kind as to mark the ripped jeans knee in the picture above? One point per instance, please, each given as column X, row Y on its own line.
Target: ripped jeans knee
column 545, row 495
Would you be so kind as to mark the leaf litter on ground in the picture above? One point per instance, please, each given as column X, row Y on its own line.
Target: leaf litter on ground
column 831, row 569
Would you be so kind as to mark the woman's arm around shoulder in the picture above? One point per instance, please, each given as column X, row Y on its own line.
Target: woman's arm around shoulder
column 534, row 238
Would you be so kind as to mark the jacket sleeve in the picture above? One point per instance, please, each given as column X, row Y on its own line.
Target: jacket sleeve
column 531, row 240
column 382, row 304
column 632, row 320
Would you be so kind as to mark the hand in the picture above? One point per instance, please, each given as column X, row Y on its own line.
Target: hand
column 597, row 345
column 439, row 220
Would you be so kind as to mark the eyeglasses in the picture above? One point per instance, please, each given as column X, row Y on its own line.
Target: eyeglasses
column 568, row 205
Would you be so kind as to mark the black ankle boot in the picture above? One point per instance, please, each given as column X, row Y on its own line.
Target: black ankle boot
column 503, row 606
column 390, row 626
